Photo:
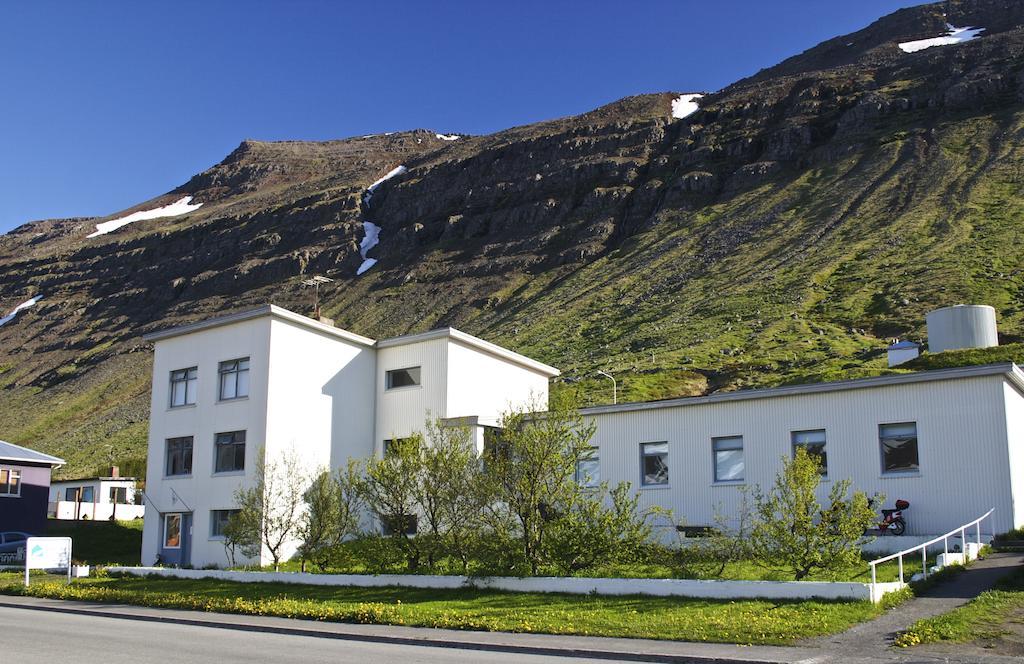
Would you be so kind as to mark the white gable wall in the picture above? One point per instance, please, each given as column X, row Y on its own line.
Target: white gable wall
column 1014, row 404
column 488, row 386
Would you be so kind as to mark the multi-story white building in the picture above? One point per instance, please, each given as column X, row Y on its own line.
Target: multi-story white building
column 951, row 441
column 273, row 381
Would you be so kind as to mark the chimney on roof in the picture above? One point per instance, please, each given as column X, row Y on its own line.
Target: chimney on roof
column 115, row 472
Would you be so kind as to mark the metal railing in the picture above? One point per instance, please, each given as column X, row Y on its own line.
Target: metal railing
column 945, row 546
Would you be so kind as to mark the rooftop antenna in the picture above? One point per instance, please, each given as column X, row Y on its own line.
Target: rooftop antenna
column 315, row 282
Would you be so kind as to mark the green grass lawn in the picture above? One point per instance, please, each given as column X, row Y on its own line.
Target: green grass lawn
column 984, row 617
column 741, row 621
column 101, row 542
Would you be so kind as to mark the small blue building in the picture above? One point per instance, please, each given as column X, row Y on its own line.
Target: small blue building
column 24, row 488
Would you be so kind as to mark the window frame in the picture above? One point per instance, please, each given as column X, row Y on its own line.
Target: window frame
column 167, row 456
column 218, row 444
column 715, row 440
column 193, row 381
column 15, row 472
column 917, row 449
column 181, row 523
column 643, row 457
column 793, row 444
column 214, row 535
column 113, row 492
column 225, row 369
column 591, row 454
column 389, row 383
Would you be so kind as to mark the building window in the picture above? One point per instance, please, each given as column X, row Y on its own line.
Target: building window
column 402, row 378
column 234, row 379
column 179, row 456
column 229, row 450
column 654, row 463
column 219, row 521
column 119, row 495
column 183, row 387
column 898, row 443
column 813, row 443
column 172, row 531
column 588, row 467
column 391, row 445
column 404, row 524
column 728, row 453
column 10, row 482
column 79, row 494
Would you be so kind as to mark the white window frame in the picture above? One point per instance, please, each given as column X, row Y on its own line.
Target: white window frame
column 233, row 370
column 794, row 445
column 715, row 441
column 643, row 457
column 917, row 449
column 591, row 454
column 11, row 471
column 181, row 524
column 388, row 387
column 189, row 382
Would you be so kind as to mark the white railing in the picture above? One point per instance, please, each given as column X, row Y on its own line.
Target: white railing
column 962, row 530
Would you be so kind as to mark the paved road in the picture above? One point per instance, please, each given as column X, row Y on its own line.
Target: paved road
column 42, row 636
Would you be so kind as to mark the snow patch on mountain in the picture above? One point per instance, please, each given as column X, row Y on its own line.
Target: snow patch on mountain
column 953, row 35
column 398, row 170
column 448, row 137
column 371, row 238
column 685, row 105
column 14, row 312
column 175, row 209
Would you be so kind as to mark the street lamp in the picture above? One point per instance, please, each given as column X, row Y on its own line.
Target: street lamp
column 615, row 396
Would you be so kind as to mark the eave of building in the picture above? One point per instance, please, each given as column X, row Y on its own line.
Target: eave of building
column 1010, row 371
column 93, row 479
column 473, row 342
column 11, row 453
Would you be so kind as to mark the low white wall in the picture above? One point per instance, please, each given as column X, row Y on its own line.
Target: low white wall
column 65, row 510
column 571, row 585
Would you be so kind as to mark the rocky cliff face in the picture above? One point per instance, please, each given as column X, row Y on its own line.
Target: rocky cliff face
column 782, row 232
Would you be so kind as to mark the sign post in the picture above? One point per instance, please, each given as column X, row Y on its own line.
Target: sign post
column 47, row 553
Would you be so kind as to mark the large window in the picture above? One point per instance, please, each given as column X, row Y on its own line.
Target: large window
column 588, row 468
column 172, row 531
column 654, row 464
column 728, row 453
column 183, row 387
column 898, row 444
column 234, row 379
column 402, row 378
column 79, row 494
column 813, row 442
column 229, row 451
column 179, row 456
column 219, row 520
column 119, row 495
column 10, row 482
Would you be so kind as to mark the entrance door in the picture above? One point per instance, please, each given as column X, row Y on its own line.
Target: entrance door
column 176, row 538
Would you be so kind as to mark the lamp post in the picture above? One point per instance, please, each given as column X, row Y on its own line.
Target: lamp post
column 615, row 385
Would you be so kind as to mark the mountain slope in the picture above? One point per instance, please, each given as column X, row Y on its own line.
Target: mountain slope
column 782, row 232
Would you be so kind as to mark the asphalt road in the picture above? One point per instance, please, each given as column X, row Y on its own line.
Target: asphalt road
column 28, row 636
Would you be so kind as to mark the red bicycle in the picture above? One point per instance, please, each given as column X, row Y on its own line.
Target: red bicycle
column 892, row 519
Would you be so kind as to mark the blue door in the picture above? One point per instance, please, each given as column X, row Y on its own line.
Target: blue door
column 176, row 538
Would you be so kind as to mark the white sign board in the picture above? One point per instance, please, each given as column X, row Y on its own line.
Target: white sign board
column 47, row 553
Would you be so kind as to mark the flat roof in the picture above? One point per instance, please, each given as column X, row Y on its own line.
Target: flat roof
column 12, row 452
column 1010, row 370
column 94, row 479
column 305, row 321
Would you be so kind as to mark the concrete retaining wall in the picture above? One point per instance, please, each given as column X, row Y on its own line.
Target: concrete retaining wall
column 571, row 585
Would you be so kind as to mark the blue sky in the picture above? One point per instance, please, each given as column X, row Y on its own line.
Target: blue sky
column 106, row 104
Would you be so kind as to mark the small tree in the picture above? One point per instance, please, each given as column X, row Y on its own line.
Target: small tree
column 706, row 556
column 793, row 532
column 389, row 490
column 531, row 472
column 272, row 507
column 333, row 513
column 241, row 533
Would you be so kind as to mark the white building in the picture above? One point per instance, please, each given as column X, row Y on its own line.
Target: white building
column 951, row 442
column 95, row 498
column 272, row 380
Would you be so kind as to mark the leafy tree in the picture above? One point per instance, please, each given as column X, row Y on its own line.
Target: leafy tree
column 531, row 473
column 793, row 532
column 706, row 556
column 333, row 513
column 270, row 511
column 389, row 489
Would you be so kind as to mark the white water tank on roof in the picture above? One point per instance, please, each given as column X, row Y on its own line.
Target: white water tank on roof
column 962, row 326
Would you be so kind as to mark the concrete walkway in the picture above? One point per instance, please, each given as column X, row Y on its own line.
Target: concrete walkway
column 872, row 641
